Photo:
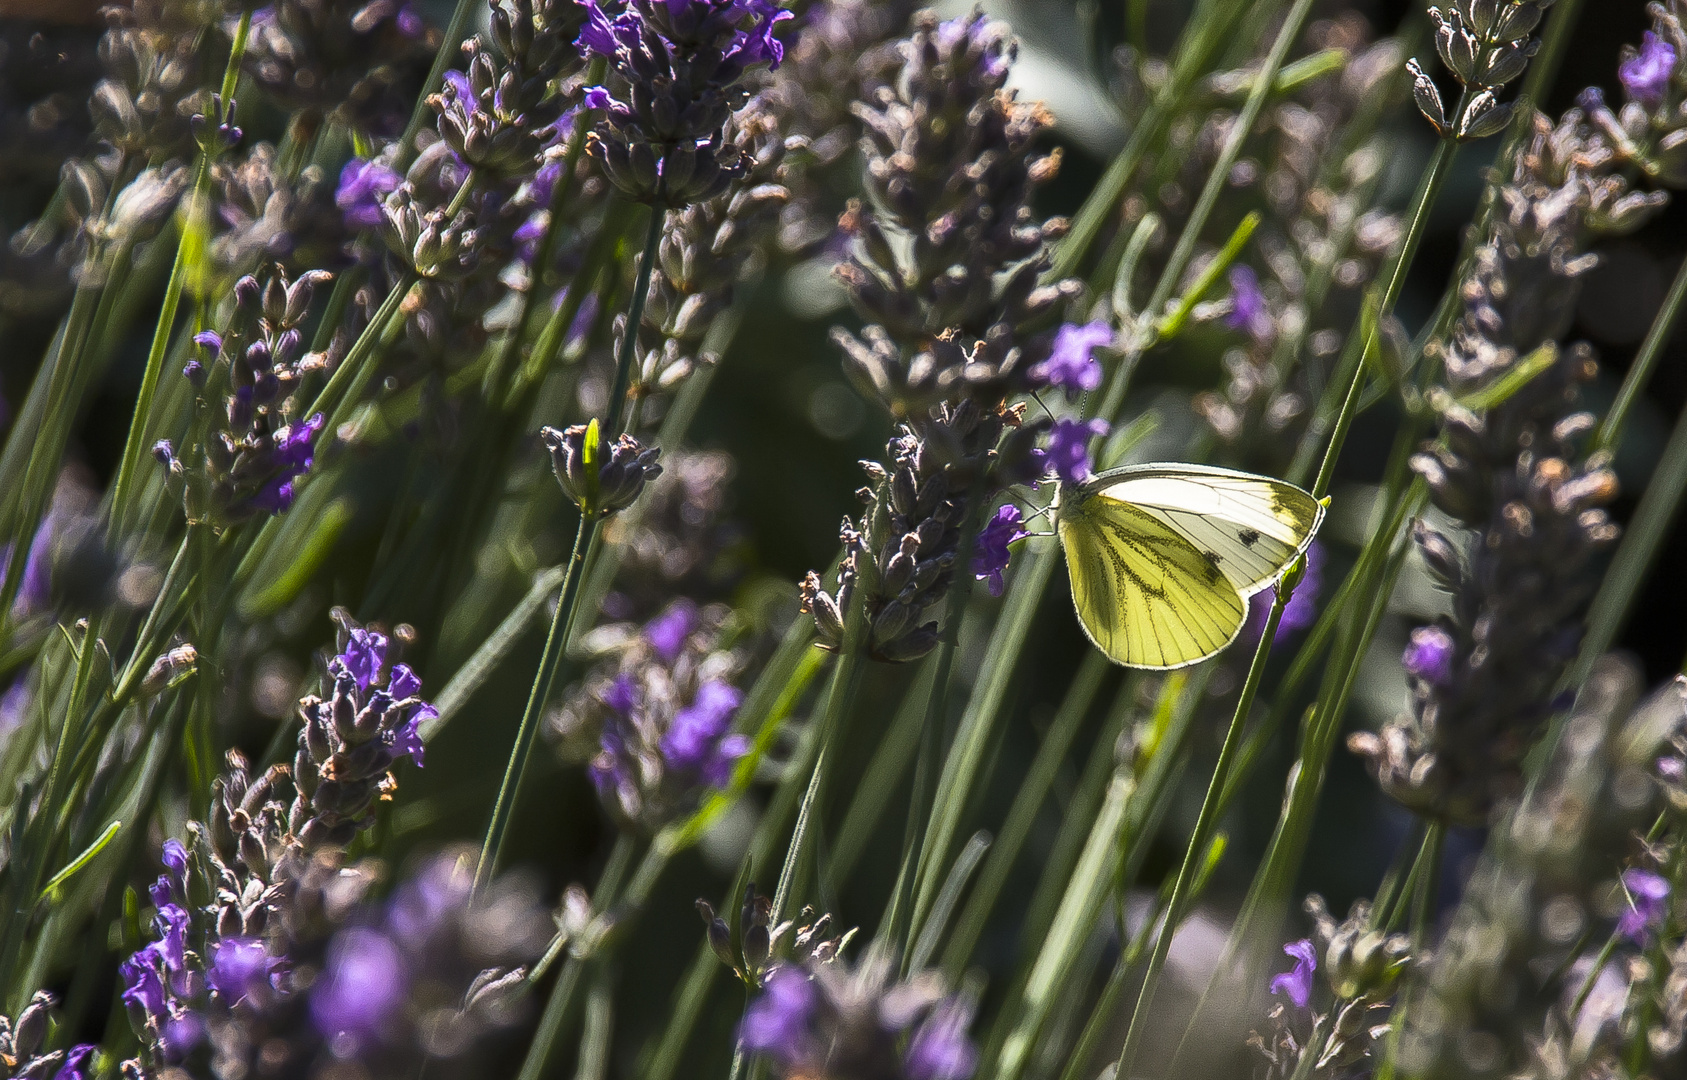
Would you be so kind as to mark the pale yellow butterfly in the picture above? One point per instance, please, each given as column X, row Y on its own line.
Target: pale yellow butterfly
column 1162, row 557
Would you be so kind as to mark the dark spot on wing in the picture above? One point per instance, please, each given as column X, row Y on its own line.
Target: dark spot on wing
column 1212, row 572
column 1248, row 537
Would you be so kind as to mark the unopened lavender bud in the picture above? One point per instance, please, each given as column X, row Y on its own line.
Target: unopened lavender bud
column 1484, row 117
column 1426, row 95
column 31, row 1029
column 167, row 668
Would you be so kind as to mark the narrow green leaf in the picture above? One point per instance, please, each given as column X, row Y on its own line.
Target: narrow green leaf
column 263, row 599
column 1078, row 910
column 80, row 861
column 1512, row 381
column 1172, row 324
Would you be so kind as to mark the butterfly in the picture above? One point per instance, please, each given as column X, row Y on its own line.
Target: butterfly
column 1163, row 557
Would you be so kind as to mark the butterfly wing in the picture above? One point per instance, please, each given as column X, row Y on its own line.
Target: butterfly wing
column 1145, row 596
column 1251, row 526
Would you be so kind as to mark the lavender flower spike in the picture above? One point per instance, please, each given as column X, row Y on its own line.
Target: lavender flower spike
column 676, row 69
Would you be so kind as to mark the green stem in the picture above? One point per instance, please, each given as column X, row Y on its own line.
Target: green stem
column 1205, row 823
column 328, row 400
column 563, row 992
column 1639, row 372
column 846, row 681
column 528, row 732
column 907, row 918
column 1218, row 180
column 635, row 315
column 546, row 253
column 1204, row 33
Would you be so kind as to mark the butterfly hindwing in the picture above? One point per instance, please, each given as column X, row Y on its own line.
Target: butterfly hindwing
column 1145, row 595
column 1252, row 526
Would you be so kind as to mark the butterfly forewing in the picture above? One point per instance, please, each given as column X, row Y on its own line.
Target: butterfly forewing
column 1250, row 526
column 1145, row 596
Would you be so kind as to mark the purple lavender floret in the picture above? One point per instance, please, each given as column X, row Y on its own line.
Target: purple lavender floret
column 1296, row 983
column 1068, row 453
column 700, row 741
column 361, row 990
column 1248, row 309
column 78, row 1063
column 1071, row 364
column 1646, row 75
column 364, row 186
column 991, row 552
column 1430, row 655
column 241, row 968
column 676, row 67
column 776, row 1023
column 1648, row 905
column 668, row 631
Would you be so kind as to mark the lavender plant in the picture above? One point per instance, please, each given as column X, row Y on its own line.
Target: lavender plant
column 449, row 329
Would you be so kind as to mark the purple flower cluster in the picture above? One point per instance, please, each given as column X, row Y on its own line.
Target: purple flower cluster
column 248, row 465
column 824, row 1020
column 165, row 983
column 677, row 65
column 370, row 721
column 654, row 724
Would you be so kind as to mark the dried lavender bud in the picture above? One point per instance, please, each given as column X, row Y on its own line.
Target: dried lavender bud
column 436, row 245
column 1485, row 44
column 599, row 485
column 23, row 1050
column 948, row 254
column 1504, row 964
column 826, row 1019
column 357, row 64
column 902, row 555
column 501, row 114
column 676, row 69
column 149, row 50
column 761, row 950
column 350, row 741
column 273, row 217
column 1514, row 472
column 653, row 719
column 250, row 458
